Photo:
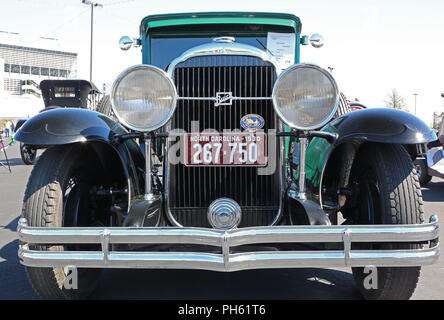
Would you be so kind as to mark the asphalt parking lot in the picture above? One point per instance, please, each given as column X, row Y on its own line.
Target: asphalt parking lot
column 307, row 283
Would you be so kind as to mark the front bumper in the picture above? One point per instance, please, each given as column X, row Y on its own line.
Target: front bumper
column 226, row 240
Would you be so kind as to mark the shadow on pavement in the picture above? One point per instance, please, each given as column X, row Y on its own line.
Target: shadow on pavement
column 12, row 225
column 433, row 192
column 12, row 161
column 14, row 283
column 270, row 284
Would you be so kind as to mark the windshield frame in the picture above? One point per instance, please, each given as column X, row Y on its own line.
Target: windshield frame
column 207, row 33
column 164, row 50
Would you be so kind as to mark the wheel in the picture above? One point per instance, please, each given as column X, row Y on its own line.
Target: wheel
column 343, row 106
column 104, row 106
column 421, row 171
column 387, row 192
column 57, row 194
column 28, row 153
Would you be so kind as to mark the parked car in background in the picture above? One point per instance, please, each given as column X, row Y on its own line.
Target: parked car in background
column 60, row 94
column 199, row 169
column 354, row 105
column 19, row 123
column 27, row 152
column 430, row 160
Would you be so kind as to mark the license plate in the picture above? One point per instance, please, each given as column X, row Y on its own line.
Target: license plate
column 226, row 149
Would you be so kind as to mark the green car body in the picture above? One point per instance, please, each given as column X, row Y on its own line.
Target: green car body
column 210, row 26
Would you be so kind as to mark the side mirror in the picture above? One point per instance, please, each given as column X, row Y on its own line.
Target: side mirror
column 316, row 40
column 125, row 43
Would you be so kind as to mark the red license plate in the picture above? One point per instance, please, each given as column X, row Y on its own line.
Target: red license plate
column 226, row 149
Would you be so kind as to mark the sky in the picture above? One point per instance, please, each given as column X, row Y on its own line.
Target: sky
column 374, row 46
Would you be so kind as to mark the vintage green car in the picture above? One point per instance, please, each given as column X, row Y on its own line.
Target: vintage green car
column 228, row 154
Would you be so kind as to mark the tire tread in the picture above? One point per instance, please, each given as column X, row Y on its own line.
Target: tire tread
column 402, row 199
column 40, row 208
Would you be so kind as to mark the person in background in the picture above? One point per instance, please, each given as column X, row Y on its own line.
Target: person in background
column 12, row 131
column 7, row 128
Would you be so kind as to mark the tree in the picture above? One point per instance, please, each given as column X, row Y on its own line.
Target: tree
column 395, row 101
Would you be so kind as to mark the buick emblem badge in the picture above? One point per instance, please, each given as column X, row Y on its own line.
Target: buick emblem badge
column 223, row 99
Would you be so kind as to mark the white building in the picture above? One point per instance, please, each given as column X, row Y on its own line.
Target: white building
column 21, row 70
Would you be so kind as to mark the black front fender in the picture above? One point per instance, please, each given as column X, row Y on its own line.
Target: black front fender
column 72, row 125
column 382, row 125
column 68, row 125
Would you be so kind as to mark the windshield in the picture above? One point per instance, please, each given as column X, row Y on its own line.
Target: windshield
column 165, row 50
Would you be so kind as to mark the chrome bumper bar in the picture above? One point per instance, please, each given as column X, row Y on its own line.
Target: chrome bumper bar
column 225, row 240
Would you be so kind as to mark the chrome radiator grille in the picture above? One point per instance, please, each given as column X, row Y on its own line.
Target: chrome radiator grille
column 192, row 189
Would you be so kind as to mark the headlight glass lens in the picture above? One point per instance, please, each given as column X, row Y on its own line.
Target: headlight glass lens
column 305, row 97
column 143, row 98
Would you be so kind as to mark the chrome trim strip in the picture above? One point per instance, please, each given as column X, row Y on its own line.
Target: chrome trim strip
column 233, row 262
column 211, row 49
column 237, row 237
column 282, row 171
column 226, row 239
column 232, row 98
column 302, row 183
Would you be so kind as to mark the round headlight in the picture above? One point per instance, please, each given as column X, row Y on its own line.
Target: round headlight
column 143, row 98
column 305, row 97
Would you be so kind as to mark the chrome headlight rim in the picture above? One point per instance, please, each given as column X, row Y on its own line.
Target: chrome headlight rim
column 119, row 79
column 281, row 115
